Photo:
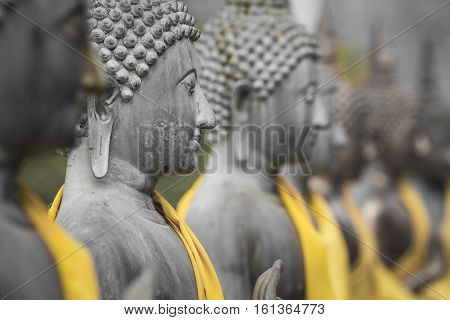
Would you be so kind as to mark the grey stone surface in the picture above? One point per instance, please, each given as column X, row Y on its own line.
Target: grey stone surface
column 107, row 202
column 238, row 216
column 39, row 80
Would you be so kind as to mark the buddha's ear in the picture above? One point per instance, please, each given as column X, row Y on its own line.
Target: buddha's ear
column 101, row 111
column 240, row 102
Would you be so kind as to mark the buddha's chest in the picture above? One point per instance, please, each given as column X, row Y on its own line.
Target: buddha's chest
column 139, row 246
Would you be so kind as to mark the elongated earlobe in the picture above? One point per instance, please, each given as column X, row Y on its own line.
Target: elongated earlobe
column 240, row 109
column 101, row 121
column 240, row 97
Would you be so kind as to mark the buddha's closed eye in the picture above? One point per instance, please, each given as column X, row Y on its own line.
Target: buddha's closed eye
column 189, row 84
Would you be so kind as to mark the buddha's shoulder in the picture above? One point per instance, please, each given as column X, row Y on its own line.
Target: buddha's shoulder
column 219, row 197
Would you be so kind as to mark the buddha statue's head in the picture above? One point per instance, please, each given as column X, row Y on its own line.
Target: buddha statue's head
column 391, row 111
column 421, row 140
column 259, row 70
column 153, row 115
column 330, row 141
column 341, row 140
column 428, row 145
column 43, row 45
column 389, row 106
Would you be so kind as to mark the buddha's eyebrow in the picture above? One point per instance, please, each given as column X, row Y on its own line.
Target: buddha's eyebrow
column 193, row 70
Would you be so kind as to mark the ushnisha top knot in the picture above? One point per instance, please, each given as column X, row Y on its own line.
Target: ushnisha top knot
column 262, row 45
column 130, row 35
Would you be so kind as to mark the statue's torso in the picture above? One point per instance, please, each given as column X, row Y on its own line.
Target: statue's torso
column 386, row 215
column 245, row 230
column 26, row 265
column 127, row 239
column 351, row 237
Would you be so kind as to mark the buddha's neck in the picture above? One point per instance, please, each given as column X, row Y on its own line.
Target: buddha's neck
column 372, row 181
column 121, row 175
column 260, row 175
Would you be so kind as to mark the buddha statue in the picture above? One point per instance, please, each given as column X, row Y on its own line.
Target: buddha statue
column 374, row 191
column 149, row 124
column 260, row 74
column 421, row 148
column 381, row 195
column 341, row 140
column 368, row 276
column 43, row 43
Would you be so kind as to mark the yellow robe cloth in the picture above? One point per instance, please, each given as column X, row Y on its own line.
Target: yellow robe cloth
column 324, row 250
column 208, row 285
column 416, row 256
column 72, row 261
column 370, row 278
column 441, row 287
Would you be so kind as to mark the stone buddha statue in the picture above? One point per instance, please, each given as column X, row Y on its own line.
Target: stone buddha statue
column 259, row 73
column 388, row 203
column 148, row 124
column 342, row 139
column 374, row 192
column 41, row 75
column 368, row 277
column 421, row 148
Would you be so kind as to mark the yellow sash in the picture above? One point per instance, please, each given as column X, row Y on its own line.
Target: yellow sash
column 415, row 257
column 208, row 285
column 73, row 262
column 324, row 251
column 370, row 278
column 186, row 200
column 441, row 287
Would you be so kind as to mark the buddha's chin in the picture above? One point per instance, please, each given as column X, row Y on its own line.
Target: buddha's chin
column 187, row 165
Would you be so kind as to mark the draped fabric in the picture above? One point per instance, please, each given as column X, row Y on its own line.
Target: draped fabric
column 208, row 285
column 416, row 256
column 440, row 288
column 370, row 278
column 72, row 261
column 323, row 247
column 324, row 252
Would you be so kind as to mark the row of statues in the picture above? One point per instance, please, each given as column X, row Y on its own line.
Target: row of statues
column 372, row 221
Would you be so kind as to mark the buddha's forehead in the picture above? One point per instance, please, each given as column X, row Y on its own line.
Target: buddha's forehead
column 181, row 59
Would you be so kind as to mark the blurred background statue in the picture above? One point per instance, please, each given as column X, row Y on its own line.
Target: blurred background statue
column 419, row 148
column 374, row 192
column 41, row 74
column 328, row 141
column 369, row 278
column 259, row 73
column 149, row 124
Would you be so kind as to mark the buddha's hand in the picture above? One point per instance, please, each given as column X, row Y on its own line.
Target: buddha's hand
column 267, row 284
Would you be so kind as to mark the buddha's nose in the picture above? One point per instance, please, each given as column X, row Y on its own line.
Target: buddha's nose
column 321, row 115
column 205, row 115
